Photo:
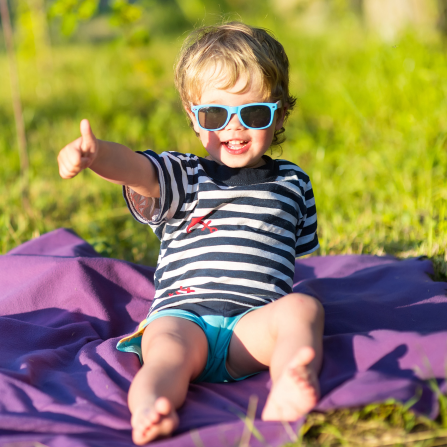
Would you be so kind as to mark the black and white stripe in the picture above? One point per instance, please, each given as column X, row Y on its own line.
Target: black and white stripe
column 250, row 224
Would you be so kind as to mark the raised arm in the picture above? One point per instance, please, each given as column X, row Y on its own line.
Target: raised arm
column 112, row 161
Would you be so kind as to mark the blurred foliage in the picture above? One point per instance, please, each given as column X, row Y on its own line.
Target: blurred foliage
column 131, row 17
column 72, row 12
column 370, row 126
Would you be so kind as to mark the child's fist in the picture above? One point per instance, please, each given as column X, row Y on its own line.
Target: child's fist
column 79, row 154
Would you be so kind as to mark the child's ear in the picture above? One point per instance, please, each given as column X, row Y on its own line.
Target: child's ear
column 192, row 117
column 281, row 116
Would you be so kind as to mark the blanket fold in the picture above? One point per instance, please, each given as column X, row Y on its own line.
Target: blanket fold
column 63, row 307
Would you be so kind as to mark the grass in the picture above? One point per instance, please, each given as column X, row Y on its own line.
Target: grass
column 370, row 128
column 386, row 424
column 390, row 423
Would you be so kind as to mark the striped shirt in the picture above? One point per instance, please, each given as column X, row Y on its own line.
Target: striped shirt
column 229, row 236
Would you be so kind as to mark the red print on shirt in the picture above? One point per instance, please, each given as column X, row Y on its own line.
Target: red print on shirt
column 199, row 220
column 182, row 290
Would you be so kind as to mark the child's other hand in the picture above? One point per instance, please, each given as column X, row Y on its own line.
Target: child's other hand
column 79, row 154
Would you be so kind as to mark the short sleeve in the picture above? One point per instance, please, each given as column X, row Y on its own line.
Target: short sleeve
column 306, row 235
column 172, row 179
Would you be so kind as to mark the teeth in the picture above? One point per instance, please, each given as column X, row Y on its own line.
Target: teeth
column 236, row 144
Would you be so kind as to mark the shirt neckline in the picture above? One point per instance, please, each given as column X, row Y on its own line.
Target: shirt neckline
column 240, row 176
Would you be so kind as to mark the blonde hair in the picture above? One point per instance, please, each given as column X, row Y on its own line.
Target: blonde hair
column 225, row 53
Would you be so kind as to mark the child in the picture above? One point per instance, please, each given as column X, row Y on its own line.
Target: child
column 230, row 226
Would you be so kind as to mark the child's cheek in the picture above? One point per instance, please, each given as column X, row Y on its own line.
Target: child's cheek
column 209, row 140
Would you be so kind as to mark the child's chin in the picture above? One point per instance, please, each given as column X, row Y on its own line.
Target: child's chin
column 235, row 161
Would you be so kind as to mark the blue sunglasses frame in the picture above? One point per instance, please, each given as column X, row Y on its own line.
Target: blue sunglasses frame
column 237, row 111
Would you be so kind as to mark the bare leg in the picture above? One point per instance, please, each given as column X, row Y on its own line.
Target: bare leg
column 285, row 336
column 175, row 351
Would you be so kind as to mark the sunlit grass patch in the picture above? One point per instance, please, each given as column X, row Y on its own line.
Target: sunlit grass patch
column 385, row 424
column 390, row 423
column 370, row 128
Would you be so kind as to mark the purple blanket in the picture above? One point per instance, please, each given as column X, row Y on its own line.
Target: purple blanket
column 63, row 308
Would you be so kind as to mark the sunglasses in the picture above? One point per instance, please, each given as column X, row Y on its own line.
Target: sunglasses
column 258, row 115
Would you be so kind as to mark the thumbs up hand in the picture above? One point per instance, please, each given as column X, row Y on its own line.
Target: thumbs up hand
column 113, row 162
column 79, row 154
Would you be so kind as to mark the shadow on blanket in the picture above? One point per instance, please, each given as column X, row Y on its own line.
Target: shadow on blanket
column 63, row 308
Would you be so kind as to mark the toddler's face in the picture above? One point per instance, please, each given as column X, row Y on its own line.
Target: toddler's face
column 235, row 145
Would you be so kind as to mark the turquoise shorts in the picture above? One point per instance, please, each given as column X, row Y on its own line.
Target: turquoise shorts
column 218, row 331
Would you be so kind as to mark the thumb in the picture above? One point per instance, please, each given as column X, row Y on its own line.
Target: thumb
column 88, row 138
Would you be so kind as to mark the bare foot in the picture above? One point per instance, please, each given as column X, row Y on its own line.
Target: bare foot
column 153, row 421
column 296, row 391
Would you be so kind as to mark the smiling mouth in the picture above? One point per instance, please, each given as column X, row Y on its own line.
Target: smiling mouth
column 235, row 145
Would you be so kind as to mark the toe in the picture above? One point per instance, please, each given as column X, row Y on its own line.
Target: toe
column 163, row 406
column 303, row 357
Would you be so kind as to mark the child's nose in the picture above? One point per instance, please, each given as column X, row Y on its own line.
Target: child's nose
column 234, row 123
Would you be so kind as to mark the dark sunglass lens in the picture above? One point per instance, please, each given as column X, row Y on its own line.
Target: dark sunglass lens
column 256, row 116
column 212, row 117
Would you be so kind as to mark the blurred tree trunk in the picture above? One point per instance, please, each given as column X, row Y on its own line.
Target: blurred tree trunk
column 442, row 23
column 389, row 17
column 15, row 92
column 357, row 7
